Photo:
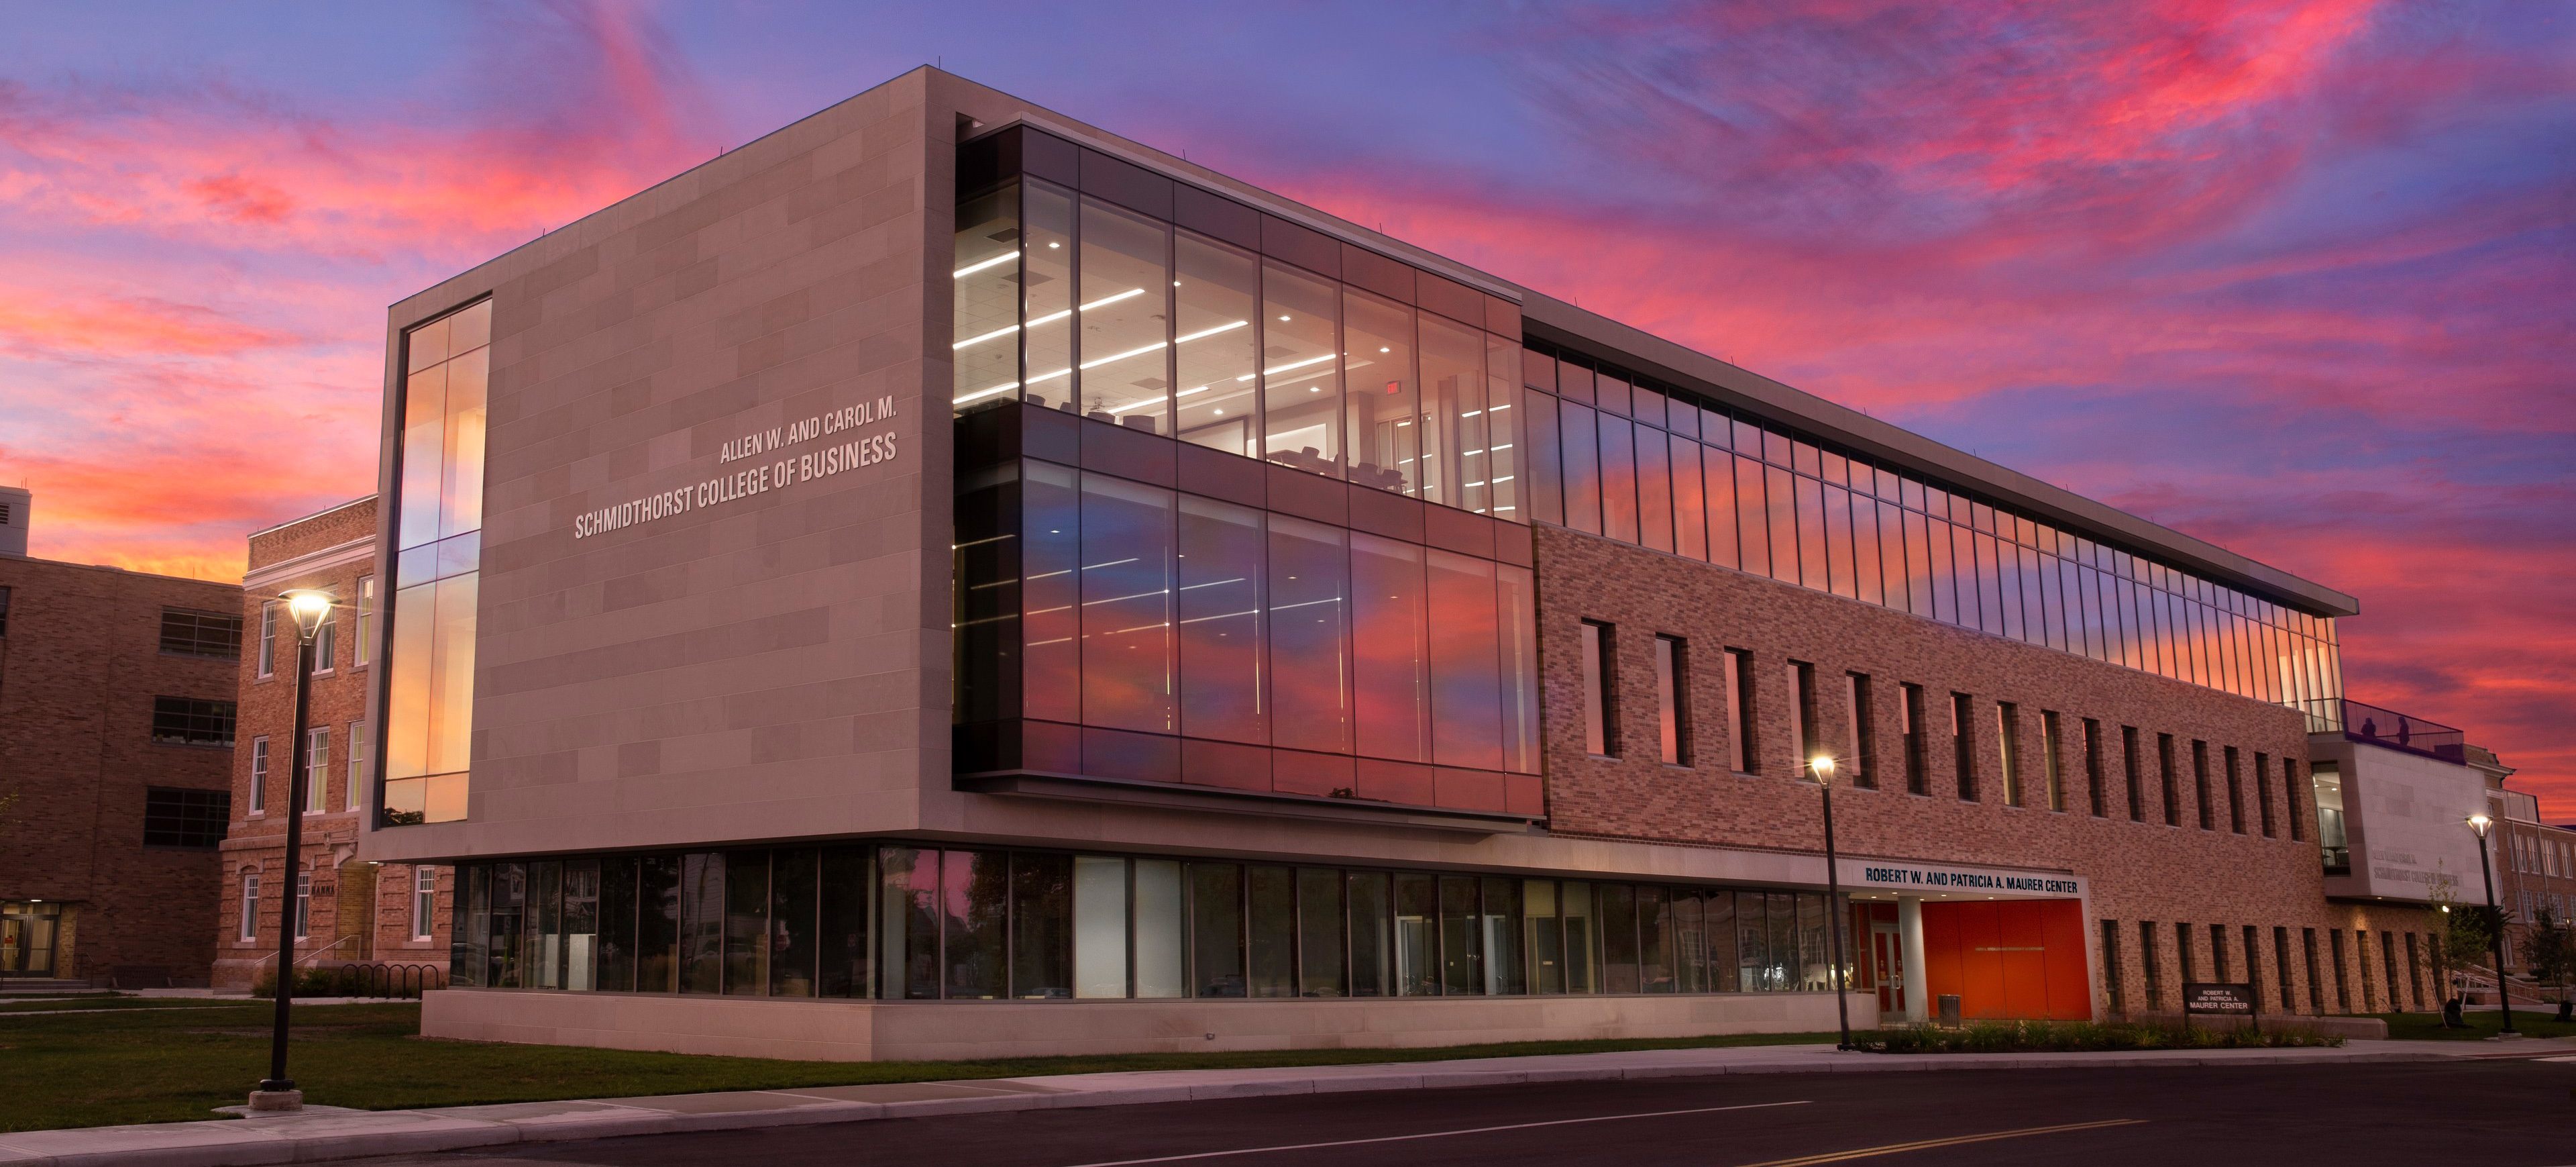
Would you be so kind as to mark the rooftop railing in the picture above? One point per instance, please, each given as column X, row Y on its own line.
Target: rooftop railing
column 2361, row 721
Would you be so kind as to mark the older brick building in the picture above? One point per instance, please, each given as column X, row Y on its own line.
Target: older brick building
column 943, row 579
column 116, row 735
column 352, row 912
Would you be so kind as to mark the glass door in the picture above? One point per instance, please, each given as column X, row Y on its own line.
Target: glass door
column 27, row 939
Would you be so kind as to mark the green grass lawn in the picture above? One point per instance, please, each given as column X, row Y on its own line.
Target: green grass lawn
column 2540, row 1022
column 160, row 1062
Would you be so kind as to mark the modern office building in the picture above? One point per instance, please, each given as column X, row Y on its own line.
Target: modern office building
column 116, row 731
column 344, row 910
column 943, row 579
column 2394, row 796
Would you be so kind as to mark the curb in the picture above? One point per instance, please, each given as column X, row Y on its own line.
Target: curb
column 311, row 1138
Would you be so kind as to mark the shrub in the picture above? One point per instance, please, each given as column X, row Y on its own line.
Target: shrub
column 1996, row 1037
column 313, row 982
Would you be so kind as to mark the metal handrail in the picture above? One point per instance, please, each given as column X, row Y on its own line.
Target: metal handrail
column 307, row 959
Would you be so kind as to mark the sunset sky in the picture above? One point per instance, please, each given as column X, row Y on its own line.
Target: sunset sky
column 2297, row 277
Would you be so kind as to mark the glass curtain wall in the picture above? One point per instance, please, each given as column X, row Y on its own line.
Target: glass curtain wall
column 1069, row 302
column 1771, row 503
column 1148, row 610
column 899, row 922
column 438, row 524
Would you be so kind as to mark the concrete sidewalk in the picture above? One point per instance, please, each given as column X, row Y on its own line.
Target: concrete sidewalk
column 324, row 1133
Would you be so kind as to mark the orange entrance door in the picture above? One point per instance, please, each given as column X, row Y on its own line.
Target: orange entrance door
column 2009, row 959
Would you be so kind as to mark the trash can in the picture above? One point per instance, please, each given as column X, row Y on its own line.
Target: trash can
column 1949, row 1010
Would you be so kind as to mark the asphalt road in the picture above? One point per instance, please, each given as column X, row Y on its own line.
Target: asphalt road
column 2489, row 1113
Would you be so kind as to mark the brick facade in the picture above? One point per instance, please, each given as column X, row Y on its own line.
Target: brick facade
column 2138, row 870
column 361, row 912
column 80, row 666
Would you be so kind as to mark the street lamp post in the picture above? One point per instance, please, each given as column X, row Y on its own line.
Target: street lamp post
column 2495, row 918
column 309, row 608
column 1823, row 765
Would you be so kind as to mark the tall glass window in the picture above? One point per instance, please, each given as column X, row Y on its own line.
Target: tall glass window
column 986, row 298
column 1301, row 397
column 1216, row 304
column 1127, row 641
column 1384, row 400
column 1467, row 700
column 1220, row 610
column 1309, row 630
column 1492, row 453
column 429, row 693
column 1453, row 413
column 1124, row 318
column 1390, row 648
column 1046, row 297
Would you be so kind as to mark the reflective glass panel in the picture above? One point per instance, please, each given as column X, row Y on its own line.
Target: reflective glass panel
column 1216, row 302
column 1301, row 377
column 1493, row 455
column 1050, row 593
column 1654, row 490
column 1271, row 893
column 1309, row 634
column 1654, row 941
column 746, row 923
column 1372, row 925
column 1543, row 936
column 1505, row 970
column 1042, row 937
column 1220, row 609
column 1462, row 949
column 1127, row 641
column 1453, row 415
column 1417, row 936
column 1385, row 405
column 1690, row 504
column 1319, row 932
column 1391, row 651
column 1467, row 712
column 1099, row 926
column 1517, row 613
column 1582, row 938
column 1216, row 930
column 1618, row 479
column 1124, row 318
column 793, row 912
column 1160, row 954
column 974, row 903
column 985, row 306
column 1581, row 441
column 1046, row 296
column 1718, row 479
column 1618, row 937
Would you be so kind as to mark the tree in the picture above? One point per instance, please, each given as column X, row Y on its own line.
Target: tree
column 2465, row 941
column 2549, row 953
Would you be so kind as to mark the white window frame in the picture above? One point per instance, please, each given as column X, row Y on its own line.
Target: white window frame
column 358, row 759
column 326, row 644
column 317, row 769
column 249, row 924
column 267, row 640
column 364, row 623
column 259, row 775
column 424, row 902
column 304, row 904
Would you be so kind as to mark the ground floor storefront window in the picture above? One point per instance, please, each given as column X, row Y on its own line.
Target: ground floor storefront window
column 903, row 922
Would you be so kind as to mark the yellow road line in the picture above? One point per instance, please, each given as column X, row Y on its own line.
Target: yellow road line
column 1928, row 1144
